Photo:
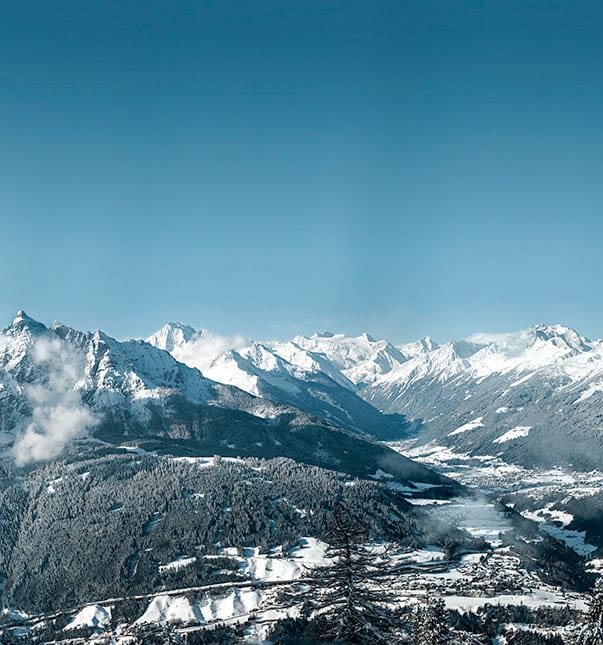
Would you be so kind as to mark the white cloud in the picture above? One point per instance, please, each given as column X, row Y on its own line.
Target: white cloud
column 59, row 414
column 204, row 348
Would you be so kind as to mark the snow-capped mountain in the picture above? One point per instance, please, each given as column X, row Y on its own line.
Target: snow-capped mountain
column 287, row 373
column 58, row 384
column 532, row 396
column 174, row 335
column 360, row 360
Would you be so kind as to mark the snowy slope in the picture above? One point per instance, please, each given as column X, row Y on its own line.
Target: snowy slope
column 281, row 372
column 360, row 360
column 60, row 384
column 546, row 378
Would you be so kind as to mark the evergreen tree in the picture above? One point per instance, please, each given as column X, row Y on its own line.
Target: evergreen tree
column 430, row 624
column 348, row 594
column 591, row 632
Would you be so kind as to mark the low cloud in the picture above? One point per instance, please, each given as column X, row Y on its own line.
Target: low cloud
column 204, row 348
column 58, row 413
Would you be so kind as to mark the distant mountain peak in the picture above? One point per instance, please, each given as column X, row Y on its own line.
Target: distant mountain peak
column 421, row 346
column 23, row 322
column 553, row 330
column 178, row 326
column 21, row 317
column 367, row 337
column 538, row 332
column 566, row 335
column 173, row 334
column 428, row 343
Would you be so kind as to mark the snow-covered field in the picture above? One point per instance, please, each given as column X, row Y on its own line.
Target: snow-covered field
column 493, row 476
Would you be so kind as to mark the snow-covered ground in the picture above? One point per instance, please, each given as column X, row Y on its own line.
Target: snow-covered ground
column 471, row 425
column 91, row 616
column 494, row 576
column 493, row 476
column 182, row 610
column 514, row 433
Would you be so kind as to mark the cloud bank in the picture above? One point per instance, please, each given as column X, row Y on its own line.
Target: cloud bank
column 205, row 347
column 59, row 414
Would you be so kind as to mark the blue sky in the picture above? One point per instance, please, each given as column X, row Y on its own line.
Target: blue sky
column 270, row 168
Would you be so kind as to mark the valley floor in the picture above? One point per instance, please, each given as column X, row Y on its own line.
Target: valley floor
column 543, row 496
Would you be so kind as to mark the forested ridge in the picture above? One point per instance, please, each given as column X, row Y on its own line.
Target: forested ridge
column 73, row 531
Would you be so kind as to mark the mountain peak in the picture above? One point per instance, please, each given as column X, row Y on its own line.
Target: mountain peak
column 24, row 322
column 367, row 337
column 560, row 334
column 418, row 347
column 172, row 335
column 428, row 343
column 557, row 327
column 173, row 326
column 21, row 316
column 552, row 330
column 464, row 348
column 323, row 334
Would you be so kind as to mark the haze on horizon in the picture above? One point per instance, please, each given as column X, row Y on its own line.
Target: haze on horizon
column 405, row 169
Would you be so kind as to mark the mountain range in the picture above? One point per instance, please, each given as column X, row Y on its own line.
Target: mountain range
column 532, row 397
column 58, row 384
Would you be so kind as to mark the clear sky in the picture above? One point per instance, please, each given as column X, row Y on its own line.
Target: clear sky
column 273, row 167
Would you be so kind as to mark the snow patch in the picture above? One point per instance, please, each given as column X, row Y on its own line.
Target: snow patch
column 592, row 389
column 90, row 616
column 171, row 609
column 523, row 379
column 471, row 425
column 514, row 433
column 177, row 564
column 381, row 474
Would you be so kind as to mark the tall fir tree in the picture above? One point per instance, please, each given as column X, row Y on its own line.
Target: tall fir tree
column 349, row 595
column 591, row 632
column 430, row 625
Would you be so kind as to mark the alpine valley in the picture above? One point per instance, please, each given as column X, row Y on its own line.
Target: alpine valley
column 182, row 488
